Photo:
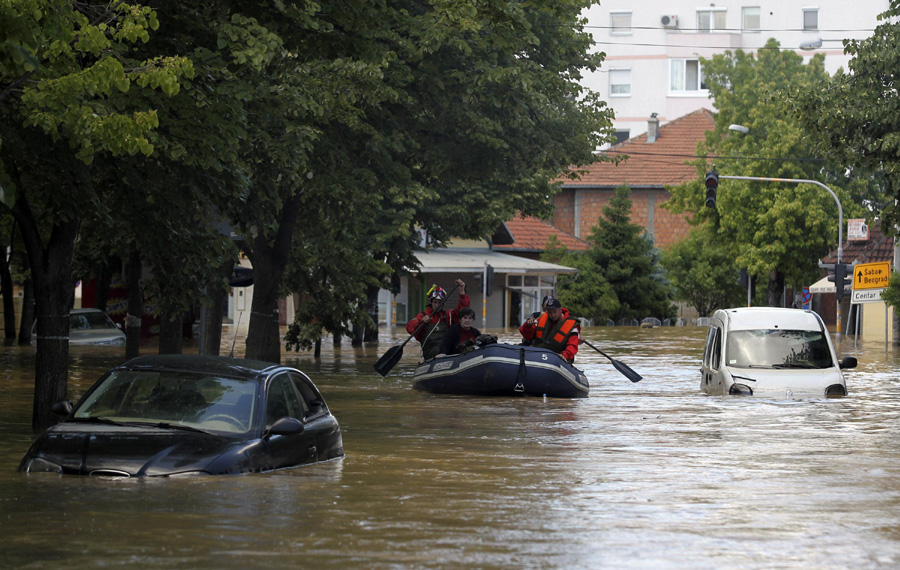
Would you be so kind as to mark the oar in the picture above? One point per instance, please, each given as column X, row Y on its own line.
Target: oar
column 393, row 354
column 620, row 366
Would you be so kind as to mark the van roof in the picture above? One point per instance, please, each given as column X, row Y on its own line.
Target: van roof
column 753, row 318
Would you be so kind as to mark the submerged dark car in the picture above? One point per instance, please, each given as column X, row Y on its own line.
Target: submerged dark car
column 182, row 415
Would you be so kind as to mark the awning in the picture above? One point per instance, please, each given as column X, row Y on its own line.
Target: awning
column 823, row 285
column 472, row 260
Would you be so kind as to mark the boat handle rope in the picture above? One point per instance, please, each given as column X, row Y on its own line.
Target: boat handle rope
column 522, row 371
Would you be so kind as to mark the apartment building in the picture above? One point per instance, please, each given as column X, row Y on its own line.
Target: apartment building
column 653, row 47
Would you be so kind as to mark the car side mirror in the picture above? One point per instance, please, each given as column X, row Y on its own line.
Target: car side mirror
column 848, row 362
column 286, row 426
column 62, row 408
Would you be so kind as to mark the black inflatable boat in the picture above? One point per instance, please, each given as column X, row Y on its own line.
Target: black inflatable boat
column 502, row 370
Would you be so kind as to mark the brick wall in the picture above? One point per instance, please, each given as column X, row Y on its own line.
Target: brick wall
column 667, row 228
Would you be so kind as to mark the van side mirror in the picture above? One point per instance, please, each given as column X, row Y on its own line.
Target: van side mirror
column 848, row 362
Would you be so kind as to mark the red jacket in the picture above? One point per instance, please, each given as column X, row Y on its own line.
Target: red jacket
column 571, row 349
column 449, row 317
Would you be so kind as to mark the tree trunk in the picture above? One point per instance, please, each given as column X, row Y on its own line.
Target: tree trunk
column 51, row 271
column 775, row 289
column 358, row 333
column 371, row 333
column 317, row 350
column 336, row 341
column 212, row 318
column 9, row 301
column 135, row 309
column 27, row 320
column 103, row 281
column 269, row 259
column 263, row 339
column 170, row 334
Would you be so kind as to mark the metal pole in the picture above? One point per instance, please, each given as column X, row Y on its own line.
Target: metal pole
column 484, row 286
column 749, row 289
column 840, row 251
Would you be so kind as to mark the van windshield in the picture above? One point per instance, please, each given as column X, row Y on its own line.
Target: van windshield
column 776, row 348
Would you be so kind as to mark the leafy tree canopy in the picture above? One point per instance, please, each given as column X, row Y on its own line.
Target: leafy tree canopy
column 777, row 230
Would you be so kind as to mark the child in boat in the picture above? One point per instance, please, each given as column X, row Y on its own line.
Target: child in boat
column 459, row 333
column 553, row 330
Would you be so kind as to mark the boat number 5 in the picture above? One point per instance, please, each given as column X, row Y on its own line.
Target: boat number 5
column 543, row 357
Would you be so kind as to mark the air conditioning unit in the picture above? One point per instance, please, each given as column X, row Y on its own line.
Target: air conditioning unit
column 669, row 21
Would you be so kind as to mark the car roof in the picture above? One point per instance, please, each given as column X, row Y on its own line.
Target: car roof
column 221, row 365
column 754, row 318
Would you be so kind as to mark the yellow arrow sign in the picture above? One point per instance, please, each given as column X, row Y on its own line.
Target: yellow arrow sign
column 871, row 275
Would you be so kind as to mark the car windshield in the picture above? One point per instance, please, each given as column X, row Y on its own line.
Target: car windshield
column 209, row 403
column 776, row 348
column 92, row 320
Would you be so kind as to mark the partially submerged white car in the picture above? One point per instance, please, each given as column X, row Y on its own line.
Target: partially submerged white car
column 771, row 352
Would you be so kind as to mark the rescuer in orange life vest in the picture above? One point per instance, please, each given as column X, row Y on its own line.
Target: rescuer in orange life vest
column 554, row 330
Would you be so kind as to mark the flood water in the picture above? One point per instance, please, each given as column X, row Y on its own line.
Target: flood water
column 647, row 475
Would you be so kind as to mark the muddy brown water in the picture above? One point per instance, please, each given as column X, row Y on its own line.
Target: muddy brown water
column 646, row 475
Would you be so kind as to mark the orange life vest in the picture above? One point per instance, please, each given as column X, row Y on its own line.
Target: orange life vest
column 554, row 336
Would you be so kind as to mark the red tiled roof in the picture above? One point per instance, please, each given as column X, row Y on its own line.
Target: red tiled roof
column 530, row 234
column 652, row 164
column 876, row 249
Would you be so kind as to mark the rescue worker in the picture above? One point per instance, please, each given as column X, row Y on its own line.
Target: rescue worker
column 436, row 322
column 553, row 330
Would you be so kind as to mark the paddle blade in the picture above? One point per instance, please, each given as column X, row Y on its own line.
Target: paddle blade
column 625, row 370
column 389, row 359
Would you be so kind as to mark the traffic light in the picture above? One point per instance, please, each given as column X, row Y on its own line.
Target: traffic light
column 712, row 184
column 841, row 280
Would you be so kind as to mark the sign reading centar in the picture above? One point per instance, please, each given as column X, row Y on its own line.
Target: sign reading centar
column 871, row 275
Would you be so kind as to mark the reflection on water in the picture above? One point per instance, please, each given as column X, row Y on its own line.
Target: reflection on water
column 646, row 475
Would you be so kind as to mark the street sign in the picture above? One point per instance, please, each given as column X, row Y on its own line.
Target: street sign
column 857, row 230
column 807, row 297
column 866, row 296
column 871, row 275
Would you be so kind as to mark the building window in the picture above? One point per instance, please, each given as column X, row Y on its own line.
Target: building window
column 686, row 76
column 811, row 19
column 750, row 19
column 711, row 20
column 622, row 136
column 619, row 82
column 620, row 23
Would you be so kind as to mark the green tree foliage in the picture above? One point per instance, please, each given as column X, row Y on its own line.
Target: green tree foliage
column 620, row 275
column 630, row 263
column 588, row 294
column 71, row 89
column 776, row 230
column 855, row 115
column 703, row 272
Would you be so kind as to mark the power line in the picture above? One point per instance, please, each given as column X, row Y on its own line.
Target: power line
column 713, row 156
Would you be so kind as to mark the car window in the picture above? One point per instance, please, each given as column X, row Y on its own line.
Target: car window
column 210, row 402
column 776, row 348
column 708, row 348
column 283, row 400
column 715, row 358
column 311, row 399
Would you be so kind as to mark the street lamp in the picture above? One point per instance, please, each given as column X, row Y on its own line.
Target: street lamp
column 739, row 128
column 810, row 45
column 840, row 250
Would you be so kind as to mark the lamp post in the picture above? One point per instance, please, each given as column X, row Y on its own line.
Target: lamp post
column 840, row 250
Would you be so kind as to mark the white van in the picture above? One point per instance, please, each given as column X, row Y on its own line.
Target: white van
column 772, row 352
